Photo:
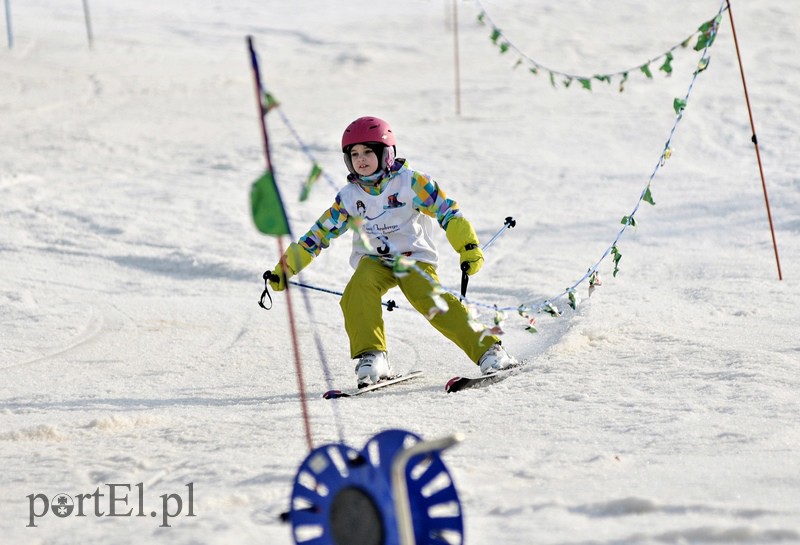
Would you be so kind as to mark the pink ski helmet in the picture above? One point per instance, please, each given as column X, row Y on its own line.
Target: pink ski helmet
column 369, row 130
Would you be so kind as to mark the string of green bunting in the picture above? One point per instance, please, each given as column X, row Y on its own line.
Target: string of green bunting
column 592, row 275
column 704, row 34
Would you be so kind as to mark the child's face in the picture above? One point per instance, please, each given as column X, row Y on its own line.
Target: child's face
column 365, row 162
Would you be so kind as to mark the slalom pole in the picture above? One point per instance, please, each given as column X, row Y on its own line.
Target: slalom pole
column 9, row 33
column 292, row 327
column 456, row 58
column 88, row 19
column 755, row 141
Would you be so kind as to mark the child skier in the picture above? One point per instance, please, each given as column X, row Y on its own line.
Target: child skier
column 396, row 207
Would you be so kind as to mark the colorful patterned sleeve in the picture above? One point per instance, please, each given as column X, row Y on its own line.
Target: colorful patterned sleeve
column 430, row 199
column 331, row 224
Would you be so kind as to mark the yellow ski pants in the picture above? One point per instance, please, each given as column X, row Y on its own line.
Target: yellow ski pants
column 363, row 313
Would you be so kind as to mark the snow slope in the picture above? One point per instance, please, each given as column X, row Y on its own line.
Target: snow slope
column 663, row 410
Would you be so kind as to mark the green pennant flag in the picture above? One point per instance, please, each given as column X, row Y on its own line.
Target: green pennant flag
column 269, row 102
column 268, row 213
column 622, row 82
column 594, row 281
column 667, row 66
column 708, row 31
column 646, row 70
column 574, row 299
column 313, row 176
column 648, row 197
column 615, row 253
column 550, row 309
column 679, row 104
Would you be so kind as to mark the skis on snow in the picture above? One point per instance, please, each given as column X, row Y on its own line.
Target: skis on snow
column 335, row 394
column 455, row 384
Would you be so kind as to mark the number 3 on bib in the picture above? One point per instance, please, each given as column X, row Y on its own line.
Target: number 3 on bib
column 384, row 249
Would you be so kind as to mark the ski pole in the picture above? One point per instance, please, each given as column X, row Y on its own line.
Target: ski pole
column 269, row 275
column 507, row 224
column 390, row 304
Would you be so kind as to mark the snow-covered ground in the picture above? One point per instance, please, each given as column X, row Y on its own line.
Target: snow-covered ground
column 664, row 410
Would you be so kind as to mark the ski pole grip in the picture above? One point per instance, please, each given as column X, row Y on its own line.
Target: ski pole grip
column 267, row 276
column 270, row 276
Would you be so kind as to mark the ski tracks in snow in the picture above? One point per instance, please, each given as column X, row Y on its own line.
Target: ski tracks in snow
column 23, row 331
